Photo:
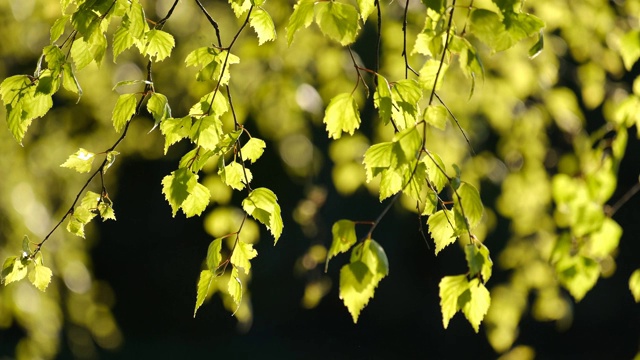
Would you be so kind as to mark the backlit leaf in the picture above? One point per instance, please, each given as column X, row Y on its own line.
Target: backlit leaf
column 197, row 200
column 158, row 107
column 80, row 161
column 471, row 204
column 13, row 269
column 122, row 40
column 478, row 304
column 451, row 289
column 57, row 29
column 234, row 175
column 405, row 95
column 344, row 237
column 436, row 116
column 123, row 111
column 442, row 228
column 262, row 23
column 377, row 158
column 262, row 205
column 478, row 260
column 253, row 149
column 204, row 283
column 213, row 254
column 40, row 277
column 175, row 130
column 177, row 186
column 207, row 132
column 302, row 17
column 242, row 253
column 240, row 7
column 382, row 99
column 359, row 278
column 578, row 274
column 158, row 44
column 630, row 48
column 342, row 115
column 338, row 21
column 235, row 286
column 366, row 8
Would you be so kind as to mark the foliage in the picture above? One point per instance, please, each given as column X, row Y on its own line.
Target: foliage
column 405, row 154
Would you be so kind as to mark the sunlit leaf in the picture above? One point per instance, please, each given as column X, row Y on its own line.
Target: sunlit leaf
column 13, row 269
column 253, row 149
column 57, row 29
column 197, row 200
column 451, row 289
column 405, row 95
column 630, row 48
column 213, row 254
column 342, row 115
column 122, row 40
column 158, row 44
column 175, row 130
column 366, row 8
column 436, row 116
column 234, row 174
column 442, row 228
column 302, row 16
column 235, row 286
column 123, row 111
column 359, row 278
column 382, row 99
column 344, row 237
column 240, row 7
column 204, row 283
column 40, row 277
column 471, row 204
column 338, row 21
column 242, row 253
column 578, row 274
column 262, row 23
column 80, row 161
column 177, row 186
column 158, row 107
column 262, row 205
column 478, row 260
column 478, row 304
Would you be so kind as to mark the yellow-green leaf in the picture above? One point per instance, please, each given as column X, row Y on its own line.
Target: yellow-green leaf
column 242, row 253
column 344, row 237
column 80, row 161
column 40, row 277
column 342, row 115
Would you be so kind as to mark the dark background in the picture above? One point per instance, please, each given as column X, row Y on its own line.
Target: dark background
column 152, row 262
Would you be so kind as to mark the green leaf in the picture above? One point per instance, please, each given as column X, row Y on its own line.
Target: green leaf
column 478, row 304
column 123, row 111
column 338, row 21
column 471, row 204
column 240, row 7
column 234, row 175
column 111, row 158
column 70, row 82
column 213, row 254
column 436, row 116
column 57, row 29
column 302, row 17
column 262, row 205
column 342, row 115
column 428, row 73
column 478, row 260
column 204, row 283
column 634, row 285
column 207, row 132
column 122, row 40
column 451, row 290
column 40, row 277
column 344, row 237
column 195, row 159
column 197, row 200
column 262, row 23
column 405, row 95
column 85, row 21
column 158, row 44
column 26, row 248
column 605, row 241
column 177, row 187
column 359, row 278
column 578, row 274
column 235, row 286
column 435, row 171
column 503, row 31
column 253, row 149
column 442, row 228
column 536, row 49
column 106, row 211
column 630, row 48
column 81, row 54
column 136, row 21
column 158, row 107
column 366, row 8
column 14, row 269
column 378, row 158
column 382, row 99
column 80, row 161
column 242, row 253
column 175, row 130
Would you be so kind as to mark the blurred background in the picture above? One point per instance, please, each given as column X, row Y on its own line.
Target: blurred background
column 128, row 289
